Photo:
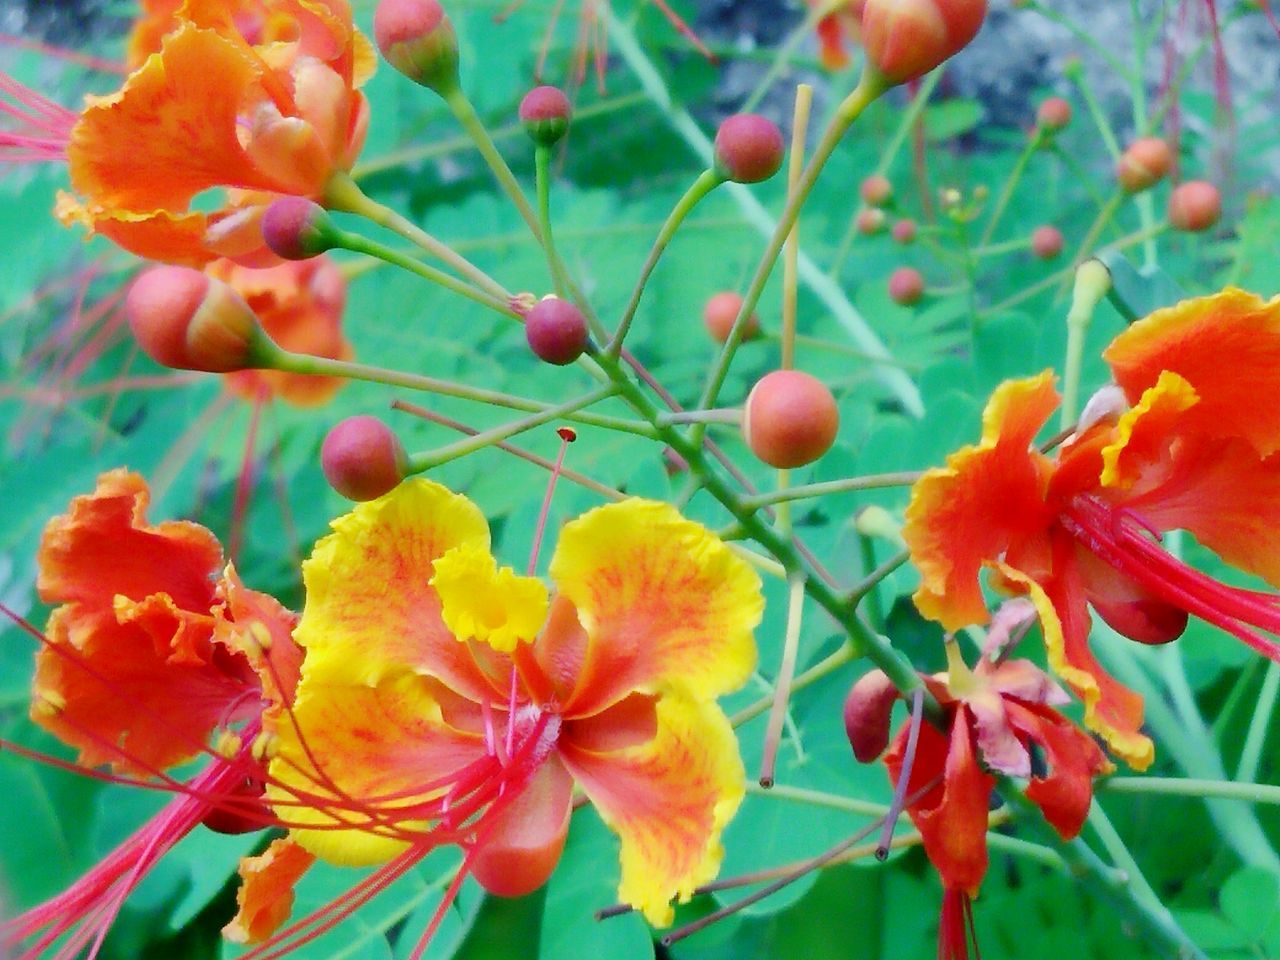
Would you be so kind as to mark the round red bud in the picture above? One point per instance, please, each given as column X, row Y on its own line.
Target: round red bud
column 362, row 459
column 545, row 113
column 904, row 231
column 720, row 312
column 1194, row 206
column 876, row 190
column 556, row 331
column 868, row 221
column 296, row 228
column 1144, row 163
column 748, row 148
column 905, row 39
column 1054, row 114
column 417, row 38
column 184, row 319
column 867, row 711
column 1046, row 242
column 790, row 419
column 906, row 286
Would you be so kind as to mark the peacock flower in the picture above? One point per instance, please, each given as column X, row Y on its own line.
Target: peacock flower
column 995, row 715
column 459, row 703
column 300, row 305
column 154, row 655
column 259, row 98
column 1180, row 442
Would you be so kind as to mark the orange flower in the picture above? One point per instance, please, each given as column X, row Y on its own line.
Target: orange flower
column 256, row 97
column 300, row 305
column 459, row 703
column 837, row 30
column 1194, row 451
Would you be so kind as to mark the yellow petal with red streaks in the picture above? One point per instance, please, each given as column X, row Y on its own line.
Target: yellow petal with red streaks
column 481, row 602
column 265, row 898
column 668, row 798
column 967, row 513
column 662, row 601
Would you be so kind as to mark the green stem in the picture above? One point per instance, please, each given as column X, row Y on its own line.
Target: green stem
column 824, row 667
column 707, row 181
column 1010, row 184
column 1254, row 740
column 1084, row 36
column 785, row 679
column 872, row 481
column 1099, row 115
column 542, row 174
column 1192, row 787
column 1138, row 94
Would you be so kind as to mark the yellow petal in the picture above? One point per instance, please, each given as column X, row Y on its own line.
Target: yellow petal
column 481, row 602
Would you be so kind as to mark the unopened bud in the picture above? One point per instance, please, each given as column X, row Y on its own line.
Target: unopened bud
column 1054, row 114
column 1195, row 205
column 417, row 38
column 905, row 39
column 184, row 319
column 362, row 458
column 904, row 232
column 1046, row 242
column 720, row 312
column 556, row 331
column 748, row 148
column 790, row 419
column 1144, row 163
column 545, row 112
column 296, row 228
column 867, row 712
column 869, row 221
column 876, row 190
column 906, row 286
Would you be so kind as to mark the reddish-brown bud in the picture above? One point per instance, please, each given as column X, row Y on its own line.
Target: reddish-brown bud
column 362, row 459
column 904, row 231
column 905, row 39
column 1046, row 242
column 1054, row 114
column 867, row 713
column 1194, row 206
column 748, row 148
column 790, row 419
column 417, row 38
column 296, row 228
column 906, row 286
column 556, row 331
column 545, row 113
column 720, row 312
column 1144, row 163
column 876, row 190
column 184, row 319
column 869, row 221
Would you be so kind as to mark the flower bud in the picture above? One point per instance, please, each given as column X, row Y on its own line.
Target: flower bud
column 556, row 331
column 748, row 148
column 417, row 38
column 1195, row 205
column 362, row 459
column 545, row 112
column 790, row 419
column 296, row 228
column 184, row 319
column 904, row 232
column 1046, row 242
column 905, row 39
column 720, row 312
column 906, row 286
column 1054, row 114
column 869, row 221
column 1144, row 163
column 867, row 711
column 876, row 190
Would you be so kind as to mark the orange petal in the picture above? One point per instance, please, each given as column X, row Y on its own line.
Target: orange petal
column 265, row 897
column 1227, row 346
column 1073, row 759
column 257, row 627
column 668, row 798
column 378, row 748
column 831, row 43
column 662, row 600
column 967, row 513
column 177, row 238
column 518, row 849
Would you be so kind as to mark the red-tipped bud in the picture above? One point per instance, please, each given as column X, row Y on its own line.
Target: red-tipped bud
column 867, row 711
column 720, row 312
column 184, row 319
column 545, row 113
column 1195, row 205
column 1046, row 242
column 417, row 38
column 904, row 231
column 1144, row 163
column 556, row 331
column 749, row 148
column 296, row 228
column 906, row 286
column 876, row 190
column 1054, row 114
column 790, row 419
column 905, row 39
column 869, row 221
column 362, row 459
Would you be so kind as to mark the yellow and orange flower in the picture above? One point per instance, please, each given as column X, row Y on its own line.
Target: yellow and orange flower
column 257, row 97
column 459, row 703
column 1195, row 450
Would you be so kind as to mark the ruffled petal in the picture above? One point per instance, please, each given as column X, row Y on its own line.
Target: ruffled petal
column 481, row 602
column 1226, row 346
column 382, row 752
column 1065, row 792
column 520, row 846
column 662, row 601
column 178, row 238
column 265, row 898
column 967, row 513
column 668, row 798
column 255, row 626
column 371, row 610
